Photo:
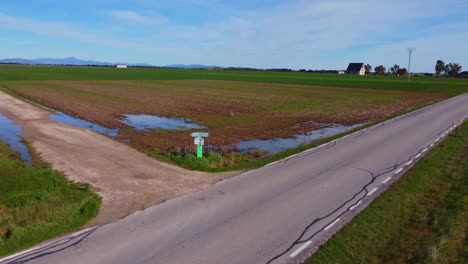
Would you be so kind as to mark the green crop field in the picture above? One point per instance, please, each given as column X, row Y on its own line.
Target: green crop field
column 422, row 84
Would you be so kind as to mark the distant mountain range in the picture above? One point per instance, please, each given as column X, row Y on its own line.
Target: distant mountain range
column 78, row 62
column 49, row 61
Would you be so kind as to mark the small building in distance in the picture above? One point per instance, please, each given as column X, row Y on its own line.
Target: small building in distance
column 356, row 68
column 121, row 66
column 341, row 72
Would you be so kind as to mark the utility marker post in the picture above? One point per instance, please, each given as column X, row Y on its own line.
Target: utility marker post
column 199, row 141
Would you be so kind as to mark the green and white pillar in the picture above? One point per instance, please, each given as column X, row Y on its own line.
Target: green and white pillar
column 200, row 147
column 199, row 141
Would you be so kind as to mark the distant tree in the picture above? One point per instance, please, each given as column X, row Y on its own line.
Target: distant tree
column 395, row 69
column 279, row 70
column 402, row 72
column 439, row 67
column 302, row 70
column 368, row 68
column 380, row 70
column 453, row 69
column 446, row 68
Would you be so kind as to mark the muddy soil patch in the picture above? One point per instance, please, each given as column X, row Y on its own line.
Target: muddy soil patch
column 232, row 111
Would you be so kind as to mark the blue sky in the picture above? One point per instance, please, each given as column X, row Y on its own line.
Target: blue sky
column 323, row 34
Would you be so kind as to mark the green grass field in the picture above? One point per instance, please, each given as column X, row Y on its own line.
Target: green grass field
column 450, row 86
column 37, row 203
column 423, row 218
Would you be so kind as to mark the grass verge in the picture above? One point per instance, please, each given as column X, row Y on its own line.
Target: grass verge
column 422, row 218
column 37, row 204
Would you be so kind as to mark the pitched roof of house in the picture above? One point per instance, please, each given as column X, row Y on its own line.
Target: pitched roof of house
column 354, row 67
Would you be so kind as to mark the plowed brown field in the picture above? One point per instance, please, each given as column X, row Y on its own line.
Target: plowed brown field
column 232, row 111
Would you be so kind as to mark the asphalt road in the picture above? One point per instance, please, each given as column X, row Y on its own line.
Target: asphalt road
column 276, row 214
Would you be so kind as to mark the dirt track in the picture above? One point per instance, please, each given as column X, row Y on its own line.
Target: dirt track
column 126, row 179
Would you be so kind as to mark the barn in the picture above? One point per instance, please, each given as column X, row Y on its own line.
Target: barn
column 356, row 68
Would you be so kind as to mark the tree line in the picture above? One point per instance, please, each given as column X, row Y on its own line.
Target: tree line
column 450, row 69
column 382, row 70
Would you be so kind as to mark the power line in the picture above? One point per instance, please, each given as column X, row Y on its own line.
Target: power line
column 410, row 50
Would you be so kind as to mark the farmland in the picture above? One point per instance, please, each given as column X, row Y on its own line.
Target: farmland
column 233, row 105
column 421, row 84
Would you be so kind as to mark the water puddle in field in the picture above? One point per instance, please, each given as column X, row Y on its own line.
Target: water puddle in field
column 10, row 134
column 77, row 122
column 72, row 121
column 276, row 145
column 145, row 122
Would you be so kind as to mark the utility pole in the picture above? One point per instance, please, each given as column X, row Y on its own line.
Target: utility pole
column 410, row 50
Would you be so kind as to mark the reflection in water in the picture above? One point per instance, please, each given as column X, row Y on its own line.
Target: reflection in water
column 145, row 122
column 73, row 121
column 10, row 134
column 277, row 145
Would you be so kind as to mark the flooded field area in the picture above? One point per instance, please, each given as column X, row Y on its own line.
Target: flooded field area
column 73, row 121
column 276, row 145
column 147, row 122
column 10, row 135
column 77, row 122
column 244, row 119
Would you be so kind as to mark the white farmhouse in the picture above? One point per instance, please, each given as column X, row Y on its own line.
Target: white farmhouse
column 356, row 68
column 122, row 66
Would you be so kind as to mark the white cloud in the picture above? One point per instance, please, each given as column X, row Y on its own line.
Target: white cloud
column 56, row 29
column 296, row 34
column 133, row 17
column 306, row 33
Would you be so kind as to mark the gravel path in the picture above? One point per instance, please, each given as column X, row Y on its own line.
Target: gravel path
column 126, row 179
